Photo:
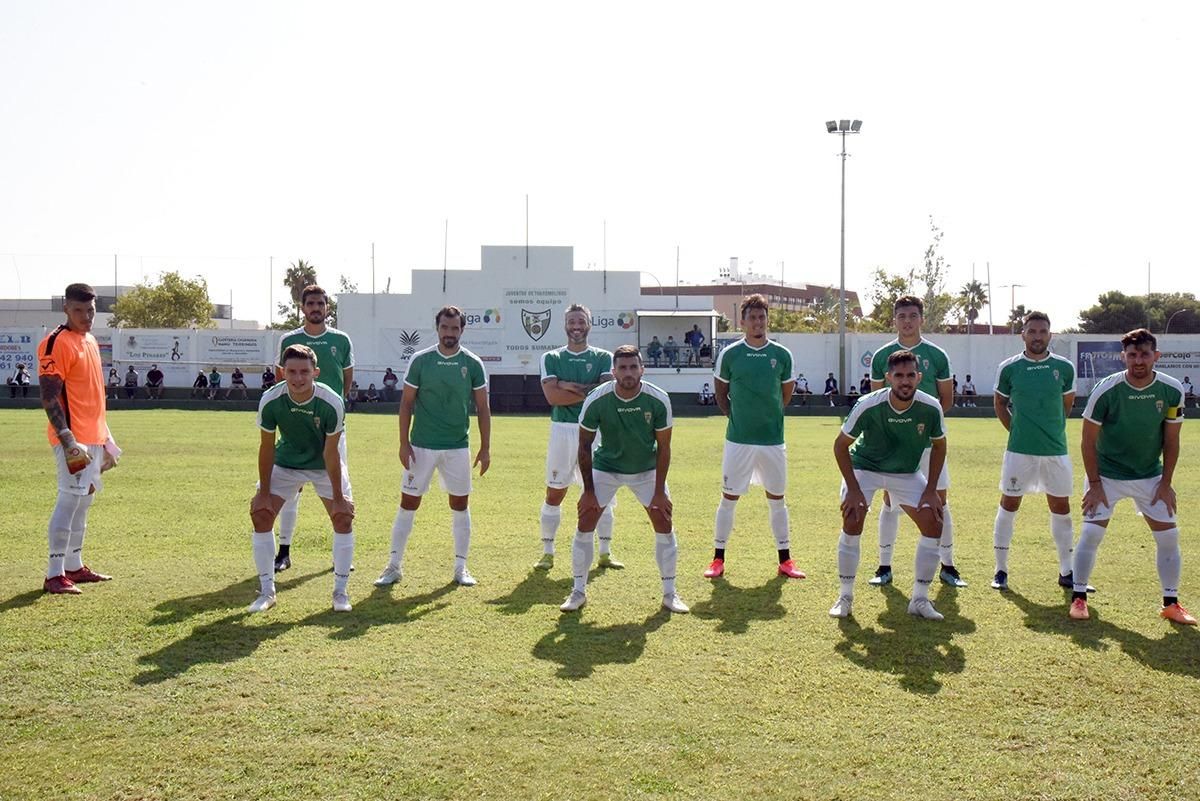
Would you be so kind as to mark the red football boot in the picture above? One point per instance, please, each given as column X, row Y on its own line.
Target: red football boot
column 60, row 585
column 790, row 570
column 85, row 575
column 716, row 569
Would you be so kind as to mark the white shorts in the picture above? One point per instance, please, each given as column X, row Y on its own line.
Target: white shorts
column 607, row 484
column 905, row 489
column 1025, row 474
column 453, row 467
column 85, row 479
column 746, row 465
column 944, row 478
column 286, row 482
column 1141, row 490
column 562, row 456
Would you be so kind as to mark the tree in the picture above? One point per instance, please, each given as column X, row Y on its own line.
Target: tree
column 885, row 288
column 1116, row 313
column 971, row 298
column 174, row 302
column 299, row 275
column 931, row 276
column 1016, row 318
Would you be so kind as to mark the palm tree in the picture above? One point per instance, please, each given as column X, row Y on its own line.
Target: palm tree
column 971, row 298
column 299, row 275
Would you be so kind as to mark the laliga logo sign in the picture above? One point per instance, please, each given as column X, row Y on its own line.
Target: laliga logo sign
column 623, row 320
column 482, row 318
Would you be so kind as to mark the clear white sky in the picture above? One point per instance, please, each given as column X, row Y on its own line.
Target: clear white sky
column 1055, row 140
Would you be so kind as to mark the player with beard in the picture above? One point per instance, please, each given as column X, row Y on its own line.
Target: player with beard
column 880, row 448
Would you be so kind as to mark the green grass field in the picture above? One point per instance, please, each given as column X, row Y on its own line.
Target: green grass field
column 157, row 685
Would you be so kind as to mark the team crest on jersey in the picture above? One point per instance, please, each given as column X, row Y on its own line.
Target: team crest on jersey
column 1056, row 376
column 333, row 349
column 535, row 323
column 649, row 417
column 464, row 371
column 1158, row 405
column 920, row 428
column 925, row 364
column 587, row 368
column 774, row 363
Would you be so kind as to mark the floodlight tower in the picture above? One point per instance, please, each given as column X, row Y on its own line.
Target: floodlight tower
column 843, row 127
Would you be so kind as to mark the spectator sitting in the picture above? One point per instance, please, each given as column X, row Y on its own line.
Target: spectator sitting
column 199, row 385
column 19, row 380
column 654, row 351
column 706, row 395
column 390, row 381
column 802, row 389
column 864, row 386
column 114, row 381
column 372, row 395
column 154, row 383
column 132, row 379
column 237, row 380
column 968, row 389
column 671, row 348
column 831, row 389
column 214, row 385
column 853, row 394
column 268, row 378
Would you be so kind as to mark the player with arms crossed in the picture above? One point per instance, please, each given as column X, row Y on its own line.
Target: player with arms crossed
column 880, row 448
column 1130, row 449
column 309, row 418
column 440, row 382
column 71, row 382
column 1040, row 386
column 754, row 385
column 634, row 420
column 335, row 361
column 936, row 381
column 569, row 373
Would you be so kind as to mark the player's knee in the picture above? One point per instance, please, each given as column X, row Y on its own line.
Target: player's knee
column 555, row 495
column 410, row 503
column 853, row 525
column 928, row 525
column 661, row 521
column 589, row 521
column 263, row 519
column 342, row 522
column 458, row 503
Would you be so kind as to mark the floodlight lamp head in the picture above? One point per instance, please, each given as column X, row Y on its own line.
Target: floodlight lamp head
column 831, row 126
column 855, row 126
column 843, row 125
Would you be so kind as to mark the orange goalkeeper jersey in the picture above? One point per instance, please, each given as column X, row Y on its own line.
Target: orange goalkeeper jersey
column 75, row 358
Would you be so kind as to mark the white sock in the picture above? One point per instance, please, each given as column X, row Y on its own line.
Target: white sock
column 264, row 560
column 343, row 558
column 849, row 553
column 947, row 539
column 287, row 519
column 925, row 565
column 1063, row 533
column 401, row 528
column 1170, row 560
column 889, row 529
column 666, row 553
column 58, row 534
column 582, row 549
column 1090, row 536
column 604, row 529
column 460, row 526
column 551, row 517
column 74, row 560
column 724, row 524
column 778, row 512
column 1002, row 537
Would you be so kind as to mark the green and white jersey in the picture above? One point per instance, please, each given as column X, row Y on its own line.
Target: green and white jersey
column 1131, row 421
column 444, row 387
column 1036, row 390
column 333, row 354
column 933, row 363
column 756, row 377
column 627, row 427
column 302, row 427
column 583, row 367
column 891, row 441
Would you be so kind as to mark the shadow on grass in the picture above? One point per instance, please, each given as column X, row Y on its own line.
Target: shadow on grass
column 1174, row 652
column 380, row 609
column 579, row 647
column 235, row 596
column 22, row 600
column 737, row 607
column 537, row 589
column 917, row 651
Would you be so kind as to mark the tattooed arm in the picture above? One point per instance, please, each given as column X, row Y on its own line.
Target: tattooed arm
column 51, row 387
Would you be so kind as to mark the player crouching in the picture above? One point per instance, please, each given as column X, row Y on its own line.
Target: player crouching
column 309, row 419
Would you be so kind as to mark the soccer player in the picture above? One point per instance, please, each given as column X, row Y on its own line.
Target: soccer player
column 71, row 381
column 335, row 359
column 754, row 385
column 934, row 367
column 890, row 430
column 1131, row 431
column 634, row 421
column 309, row 418
column 1040, row 386
column 440, row 382
column 568, row 375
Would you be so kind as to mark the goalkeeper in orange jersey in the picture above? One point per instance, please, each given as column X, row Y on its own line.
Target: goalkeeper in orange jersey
column 71, row 380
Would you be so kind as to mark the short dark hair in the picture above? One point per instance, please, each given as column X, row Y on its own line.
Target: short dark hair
column 312, row 289
column 79, row 292
column 1036, row 315
column 579, row 307
column 450, row 311
column 901, row 357
column 755, row 301
column 1138, row 337
column 298, row 352
column 627, row 352
column 909, row 300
